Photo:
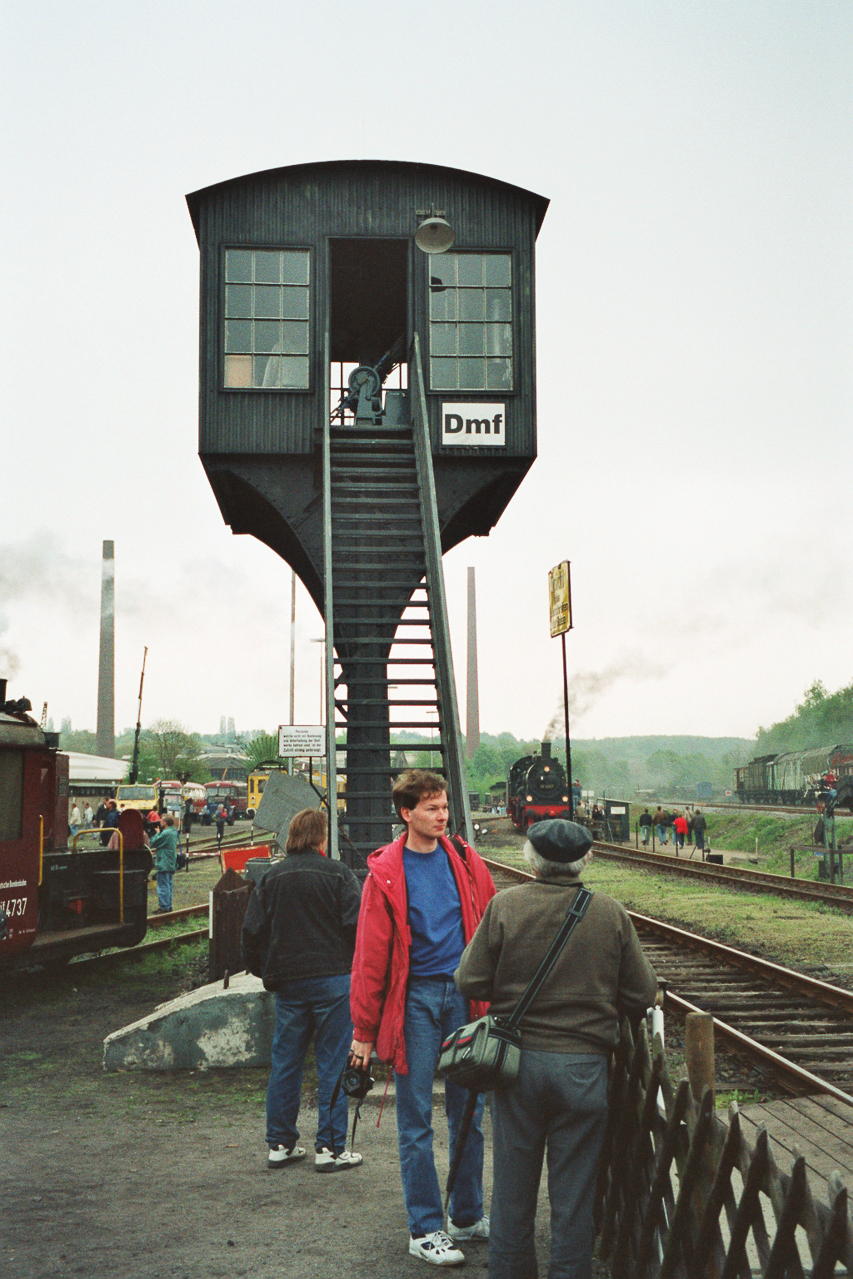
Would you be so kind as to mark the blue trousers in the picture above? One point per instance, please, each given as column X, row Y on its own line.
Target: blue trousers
column 434, row 1008
column 164, row 889
column 318, row 1008
column 558, row 1103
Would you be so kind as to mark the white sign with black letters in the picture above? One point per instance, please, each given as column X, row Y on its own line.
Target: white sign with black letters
column 477, row 424
column 301, row 739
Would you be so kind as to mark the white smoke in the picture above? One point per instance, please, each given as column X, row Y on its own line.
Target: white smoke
column 9, row 661
column 40, row 567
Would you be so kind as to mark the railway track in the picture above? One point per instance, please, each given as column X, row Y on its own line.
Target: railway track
column 837, row 895
column 796, row 1030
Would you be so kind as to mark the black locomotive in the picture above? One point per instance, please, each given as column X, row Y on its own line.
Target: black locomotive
column 537, row 789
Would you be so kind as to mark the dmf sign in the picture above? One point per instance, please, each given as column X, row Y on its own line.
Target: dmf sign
column 474, row 424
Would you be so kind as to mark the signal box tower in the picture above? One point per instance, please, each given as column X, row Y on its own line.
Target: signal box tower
column 367, row 401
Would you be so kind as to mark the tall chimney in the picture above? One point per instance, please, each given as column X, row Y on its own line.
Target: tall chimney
column 105, row 742
column 472, row 727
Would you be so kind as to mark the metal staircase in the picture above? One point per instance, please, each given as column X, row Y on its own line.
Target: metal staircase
column 388, row 666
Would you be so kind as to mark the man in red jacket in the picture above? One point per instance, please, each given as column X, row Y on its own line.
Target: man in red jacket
column 420, row 907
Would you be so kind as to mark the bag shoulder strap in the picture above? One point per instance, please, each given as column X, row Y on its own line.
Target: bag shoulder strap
column 574, row 915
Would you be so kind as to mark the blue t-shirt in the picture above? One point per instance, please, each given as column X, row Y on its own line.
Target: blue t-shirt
column 435, row 914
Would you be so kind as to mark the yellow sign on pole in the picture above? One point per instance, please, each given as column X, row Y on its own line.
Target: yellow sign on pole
column 560, row 594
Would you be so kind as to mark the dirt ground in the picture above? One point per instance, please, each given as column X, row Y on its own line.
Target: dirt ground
column 164, row 1175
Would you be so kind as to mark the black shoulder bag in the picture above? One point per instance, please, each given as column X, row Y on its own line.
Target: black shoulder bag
column 486, row 1054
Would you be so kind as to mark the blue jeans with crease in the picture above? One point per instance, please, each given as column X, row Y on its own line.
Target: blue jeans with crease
column 434, row 1008
column 318, row 1008
column 556, row 1112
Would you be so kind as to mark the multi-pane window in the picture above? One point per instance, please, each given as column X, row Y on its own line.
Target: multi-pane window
column 266, row 318
column 470, row 312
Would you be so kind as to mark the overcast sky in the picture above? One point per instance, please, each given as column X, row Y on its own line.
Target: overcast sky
column 694, row 291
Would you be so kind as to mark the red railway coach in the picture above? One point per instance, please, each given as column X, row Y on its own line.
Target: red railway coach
column 57, row 899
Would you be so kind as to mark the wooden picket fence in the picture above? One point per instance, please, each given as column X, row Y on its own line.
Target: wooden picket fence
column 682, row 1195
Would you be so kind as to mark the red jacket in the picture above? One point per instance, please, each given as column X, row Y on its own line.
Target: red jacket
column 380, row 968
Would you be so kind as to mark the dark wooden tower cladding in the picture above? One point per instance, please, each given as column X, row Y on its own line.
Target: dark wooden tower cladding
column 306, row 273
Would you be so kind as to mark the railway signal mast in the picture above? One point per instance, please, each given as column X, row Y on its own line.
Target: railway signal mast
column 560, row 596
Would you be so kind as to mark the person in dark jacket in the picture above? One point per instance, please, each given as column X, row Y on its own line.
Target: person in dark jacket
column 299, row 936
column 556, row 1110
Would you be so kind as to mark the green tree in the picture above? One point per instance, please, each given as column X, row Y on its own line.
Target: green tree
column 175, row 751
column 80, row 739
column 261, row 749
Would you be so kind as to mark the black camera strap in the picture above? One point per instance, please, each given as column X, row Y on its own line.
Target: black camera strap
column 336, row 1093
column 575, row 914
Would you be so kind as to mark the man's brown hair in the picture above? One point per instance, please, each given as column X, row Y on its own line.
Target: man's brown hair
column 410, row 788
column 307, row 831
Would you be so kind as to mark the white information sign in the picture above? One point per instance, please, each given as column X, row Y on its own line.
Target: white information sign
column 478, row 424
column 301, row 739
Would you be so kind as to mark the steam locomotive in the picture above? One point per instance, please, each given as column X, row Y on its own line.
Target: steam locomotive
column 58, row 899
column 537, row 789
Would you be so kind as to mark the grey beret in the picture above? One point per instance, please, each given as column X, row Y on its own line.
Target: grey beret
column 559, row 841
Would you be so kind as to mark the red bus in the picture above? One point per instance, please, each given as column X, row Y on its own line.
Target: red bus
column 234, row 795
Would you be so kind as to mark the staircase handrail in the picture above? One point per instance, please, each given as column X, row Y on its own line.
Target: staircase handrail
column 328, row 614
column 451, row 729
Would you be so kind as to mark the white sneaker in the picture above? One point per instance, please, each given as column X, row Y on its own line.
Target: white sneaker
column 280, row 1155
column 326, row 1160
column 437, row 1249
column 479, row 1230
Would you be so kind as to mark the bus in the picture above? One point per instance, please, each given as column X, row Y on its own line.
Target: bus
column 234, row 795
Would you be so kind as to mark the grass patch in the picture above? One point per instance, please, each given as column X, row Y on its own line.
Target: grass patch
column 800, row 934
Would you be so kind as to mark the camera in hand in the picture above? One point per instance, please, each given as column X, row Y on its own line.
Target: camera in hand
column 356, row 1082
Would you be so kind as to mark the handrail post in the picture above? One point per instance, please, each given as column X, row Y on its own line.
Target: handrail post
column 120, row 876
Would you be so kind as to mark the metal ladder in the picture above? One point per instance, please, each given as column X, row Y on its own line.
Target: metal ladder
column 387, row 619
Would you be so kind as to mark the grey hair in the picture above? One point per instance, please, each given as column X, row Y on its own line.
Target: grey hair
column 552, row 870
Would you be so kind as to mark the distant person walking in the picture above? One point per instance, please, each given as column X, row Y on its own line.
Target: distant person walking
column 660, row 824
column 88, row 816
column 679, row 829
column 74, row 820
column 221, row 819
column 645, row 827
column 699, row 828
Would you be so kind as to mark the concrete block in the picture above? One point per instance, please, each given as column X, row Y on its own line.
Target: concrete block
column 207, row 1028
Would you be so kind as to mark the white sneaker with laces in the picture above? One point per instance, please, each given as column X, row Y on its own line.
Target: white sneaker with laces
column 478, row 1230
column 280, row 1155
column 437, row 1249
column 326, row 1160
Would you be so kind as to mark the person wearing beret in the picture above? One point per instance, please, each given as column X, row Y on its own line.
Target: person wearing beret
column 559, row 1100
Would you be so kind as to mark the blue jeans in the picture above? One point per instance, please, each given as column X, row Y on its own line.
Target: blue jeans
column 164, row 889
column 318, row 1008
column 434, row 1008
column 661, row 834
column 558, row 1104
